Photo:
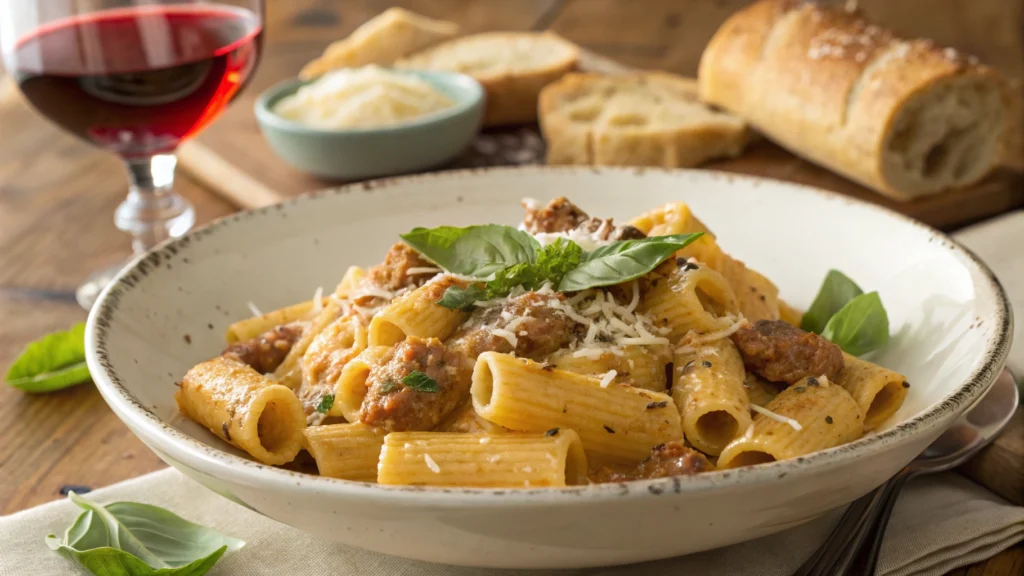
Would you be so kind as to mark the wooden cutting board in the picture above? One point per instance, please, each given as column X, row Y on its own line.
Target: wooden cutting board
column 235, row 161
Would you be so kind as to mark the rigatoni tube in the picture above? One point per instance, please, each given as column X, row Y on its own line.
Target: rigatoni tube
column 417, row 314
column 617, row 422
column 554, row 458
column 346, row 451
column 241, row 406
column 689, row 297
column 708, row 389
column 806, row 417
column 879, row 391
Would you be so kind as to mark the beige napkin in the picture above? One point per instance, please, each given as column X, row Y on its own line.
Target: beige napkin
column 940, row 523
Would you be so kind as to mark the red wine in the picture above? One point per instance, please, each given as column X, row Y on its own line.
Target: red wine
column 139, row 80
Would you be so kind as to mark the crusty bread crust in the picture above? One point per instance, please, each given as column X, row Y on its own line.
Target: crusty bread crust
column 390, row 35
column 513, row 67
column 638, row 119
column 855, row 98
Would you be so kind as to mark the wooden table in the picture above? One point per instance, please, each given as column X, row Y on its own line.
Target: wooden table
column 57, row 196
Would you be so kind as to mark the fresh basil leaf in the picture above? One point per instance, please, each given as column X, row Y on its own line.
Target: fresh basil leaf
column 835, row 292
column 860, row 326
column 456, row 298
column 420, row 382
column 556, row 260
column 623, row 261
column 476, row 251
column 54, row 362
column 325, row 404
column 132, row 539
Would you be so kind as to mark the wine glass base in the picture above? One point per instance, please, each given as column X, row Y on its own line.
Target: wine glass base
column 89, row 291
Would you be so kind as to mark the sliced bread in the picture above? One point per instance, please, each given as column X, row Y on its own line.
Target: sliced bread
column 640, row 119
column 513, row 67
column 390, row 35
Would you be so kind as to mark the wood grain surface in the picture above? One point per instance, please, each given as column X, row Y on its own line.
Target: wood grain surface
column 665, row 34
column 57, row 198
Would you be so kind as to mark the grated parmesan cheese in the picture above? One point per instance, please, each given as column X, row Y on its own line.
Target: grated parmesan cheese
column 431, row 464
column 693, row 340
column 502, row 333
column 252, row 308
column 485, row 440
column 778, row 418
column 607, row 378
column 374, row 291
column 423, row 270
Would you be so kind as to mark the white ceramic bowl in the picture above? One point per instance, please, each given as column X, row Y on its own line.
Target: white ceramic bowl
column 950, row 320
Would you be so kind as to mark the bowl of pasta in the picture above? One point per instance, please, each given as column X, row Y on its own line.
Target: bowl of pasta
column 628, row 365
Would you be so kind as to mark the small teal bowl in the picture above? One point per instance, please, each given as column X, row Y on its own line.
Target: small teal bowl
column 356, row 153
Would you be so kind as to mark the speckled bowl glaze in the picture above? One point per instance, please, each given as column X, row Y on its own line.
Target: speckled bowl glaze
column 951, row 332
column 357, row 153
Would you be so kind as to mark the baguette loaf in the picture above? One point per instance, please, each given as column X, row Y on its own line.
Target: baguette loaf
column 641, row 119
column 390, row 35
column 903, row 117
column 513, row 67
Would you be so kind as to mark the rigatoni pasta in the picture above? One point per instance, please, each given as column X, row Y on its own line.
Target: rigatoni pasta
column 806, row 417
column 550, row 459
column 708, row 388
column 346, row 451
column 615, row 422
column 878, row 391
column 241, row 406
column 567, row 351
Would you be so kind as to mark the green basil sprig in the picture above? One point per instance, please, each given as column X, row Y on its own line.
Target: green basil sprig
column 504, row 258
column 843, row 314
column 835, row 292
column 54, row 362
column 420, row 382
column 860, row 326
column 132, row 539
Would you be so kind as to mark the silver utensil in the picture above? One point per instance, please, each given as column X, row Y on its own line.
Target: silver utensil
column 848, row 549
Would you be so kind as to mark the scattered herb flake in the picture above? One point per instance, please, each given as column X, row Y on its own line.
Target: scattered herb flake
column 609, row 429
column 552, row 432
column 420, row 382
column 325, row 404
column 654, row 405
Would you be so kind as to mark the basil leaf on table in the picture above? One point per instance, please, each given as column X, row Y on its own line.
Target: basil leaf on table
column 420, row 382
column 861, row 326
column 836, row 291
column 623, row 261
column 476, row 251
column 132, row 539
column 54, row 362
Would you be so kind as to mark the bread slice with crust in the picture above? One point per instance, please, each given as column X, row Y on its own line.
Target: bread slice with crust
column 390, row 35
column 638, row 119
column 513, row 67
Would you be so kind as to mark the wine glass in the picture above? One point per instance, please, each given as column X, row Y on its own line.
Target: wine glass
column 136, row 77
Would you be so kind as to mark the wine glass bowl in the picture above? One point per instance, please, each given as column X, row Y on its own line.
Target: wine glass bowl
column 137, row 78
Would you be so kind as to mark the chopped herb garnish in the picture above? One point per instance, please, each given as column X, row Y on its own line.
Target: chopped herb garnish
column 828, row 419
column 325, row 404
column 420, row 382
column 812, row 381
column 227, row 432
column 706, row 363
column 609, row 429
column 800, row 389
column 906, row 384
column 654, row 405
column 552, row 432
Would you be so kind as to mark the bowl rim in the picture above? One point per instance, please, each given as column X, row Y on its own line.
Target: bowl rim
column 463, row 105
column 169, row 442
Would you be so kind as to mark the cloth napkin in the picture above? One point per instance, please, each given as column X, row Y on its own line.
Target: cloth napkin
column 940, row 522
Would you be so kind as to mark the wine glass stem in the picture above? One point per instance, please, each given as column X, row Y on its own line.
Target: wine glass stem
column 153, row 211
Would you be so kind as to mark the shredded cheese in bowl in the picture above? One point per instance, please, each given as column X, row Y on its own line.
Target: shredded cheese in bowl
column 367, row 97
